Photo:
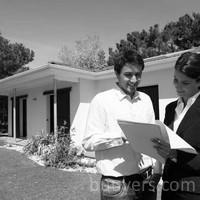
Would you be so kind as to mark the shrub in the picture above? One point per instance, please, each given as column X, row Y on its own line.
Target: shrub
column 55, row 150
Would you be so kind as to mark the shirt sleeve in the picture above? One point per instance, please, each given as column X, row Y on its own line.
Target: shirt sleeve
column 150, row 112
column 98, row 135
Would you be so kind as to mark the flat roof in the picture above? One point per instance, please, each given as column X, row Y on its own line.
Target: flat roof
column 63, row 72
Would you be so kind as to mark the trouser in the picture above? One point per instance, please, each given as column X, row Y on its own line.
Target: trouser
column 126, row 188
column 179, row 195
column 170, row 191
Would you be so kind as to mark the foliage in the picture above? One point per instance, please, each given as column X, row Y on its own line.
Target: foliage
column 13, row 57
column 87, row 54
column 175, row 36
column 55, row 150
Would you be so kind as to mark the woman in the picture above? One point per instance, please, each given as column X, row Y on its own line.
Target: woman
column 181, row 176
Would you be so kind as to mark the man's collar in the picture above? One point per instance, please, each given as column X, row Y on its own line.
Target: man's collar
column 122, row 95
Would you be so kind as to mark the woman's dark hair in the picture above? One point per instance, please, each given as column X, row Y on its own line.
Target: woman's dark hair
column 189, row 64
column 129, row 56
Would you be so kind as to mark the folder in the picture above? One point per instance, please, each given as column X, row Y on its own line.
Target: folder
column 140, row 136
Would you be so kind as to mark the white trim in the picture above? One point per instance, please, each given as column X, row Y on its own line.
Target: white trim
column 55, row 105
column 67, row 73
column 14, row 113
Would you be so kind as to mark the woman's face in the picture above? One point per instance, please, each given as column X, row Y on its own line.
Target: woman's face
column 185, row 86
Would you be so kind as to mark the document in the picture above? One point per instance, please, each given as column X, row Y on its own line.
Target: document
column 139, row 135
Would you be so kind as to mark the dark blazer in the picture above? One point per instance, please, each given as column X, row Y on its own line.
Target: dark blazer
column 187, row 168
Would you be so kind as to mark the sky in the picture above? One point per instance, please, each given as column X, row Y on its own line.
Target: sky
column 45, row 26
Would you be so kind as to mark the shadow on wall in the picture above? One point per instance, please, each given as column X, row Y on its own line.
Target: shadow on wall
column 77, row 128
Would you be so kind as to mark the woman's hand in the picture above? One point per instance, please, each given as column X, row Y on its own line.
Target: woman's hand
column 162, row 147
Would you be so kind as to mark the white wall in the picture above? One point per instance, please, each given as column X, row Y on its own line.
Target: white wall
column 106, row 84
column 42, row 106
column 88, row 89
column 37, row 107
column 164, row 79
column 36, row 112
column 74, row 100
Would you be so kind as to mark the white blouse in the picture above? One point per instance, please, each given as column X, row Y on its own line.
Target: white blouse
column 180, row 110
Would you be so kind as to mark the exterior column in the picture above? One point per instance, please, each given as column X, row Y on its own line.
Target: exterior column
column 14, row 113
column 55, row 106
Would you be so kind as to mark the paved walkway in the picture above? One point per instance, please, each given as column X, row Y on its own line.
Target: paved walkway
column 11, row 141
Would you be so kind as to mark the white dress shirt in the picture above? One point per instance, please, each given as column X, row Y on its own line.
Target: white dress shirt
column 180, row 110
column 103, row 134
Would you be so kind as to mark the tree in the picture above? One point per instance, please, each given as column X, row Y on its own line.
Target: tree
column 179, row 35
column 87, row 54
column 13, row 57
column 182, row 32
column 196, row 29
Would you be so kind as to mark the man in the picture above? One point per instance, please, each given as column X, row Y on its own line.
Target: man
column 118, row 163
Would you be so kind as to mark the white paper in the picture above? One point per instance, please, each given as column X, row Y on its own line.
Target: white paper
column 140, row 135
column 175, row 141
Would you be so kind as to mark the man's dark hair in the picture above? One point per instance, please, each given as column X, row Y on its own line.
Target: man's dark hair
column 129, row 56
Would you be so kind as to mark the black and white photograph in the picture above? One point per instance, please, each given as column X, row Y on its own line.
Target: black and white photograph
column 99, row 100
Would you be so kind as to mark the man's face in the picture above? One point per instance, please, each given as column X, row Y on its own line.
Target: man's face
column 185, row 86
column 129, row 78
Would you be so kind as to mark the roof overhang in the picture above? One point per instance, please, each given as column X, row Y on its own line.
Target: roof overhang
column 43, row 75
column 47, row 73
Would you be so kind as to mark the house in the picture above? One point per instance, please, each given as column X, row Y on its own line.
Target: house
column 45, row 97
